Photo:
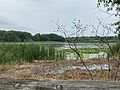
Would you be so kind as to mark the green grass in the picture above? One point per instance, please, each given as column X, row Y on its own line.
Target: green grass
column 116, row 49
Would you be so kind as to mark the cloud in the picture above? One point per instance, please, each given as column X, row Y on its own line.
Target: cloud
column 6, row 24
column 35, row 15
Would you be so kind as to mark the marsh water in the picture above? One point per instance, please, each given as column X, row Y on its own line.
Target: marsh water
column 70, row 56
column 61, row 70
column 79, row 45
column 83, row 45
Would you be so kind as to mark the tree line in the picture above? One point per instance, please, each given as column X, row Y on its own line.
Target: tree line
column 93, row 39
column 18, row 36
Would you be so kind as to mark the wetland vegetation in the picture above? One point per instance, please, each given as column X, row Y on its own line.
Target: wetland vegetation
column 28, row 52
column 54, row 60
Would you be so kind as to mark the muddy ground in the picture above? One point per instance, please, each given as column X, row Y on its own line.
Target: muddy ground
column 51, row 69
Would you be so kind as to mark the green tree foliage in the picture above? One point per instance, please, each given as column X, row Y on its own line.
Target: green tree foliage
column 48, row 37
column 94, row 39
column 110, row 4
column 17, row 36
column 37, row 37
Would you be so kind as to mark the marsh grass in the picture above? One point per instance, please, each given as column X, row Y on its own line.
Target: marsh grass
column 13, row 53
column 28, row 52
column 116, row 48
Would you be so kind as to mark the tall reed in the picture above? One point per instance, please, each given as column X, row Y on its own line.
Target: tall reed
column 13, row 53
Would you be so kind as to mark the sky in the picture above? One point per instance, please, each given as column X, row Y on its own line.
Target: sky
column 35, row 16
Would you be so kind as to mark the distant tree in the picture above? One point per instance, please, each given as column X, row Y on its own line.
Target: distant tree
column 37, row 37
column 15, row 36
column 18, row 36
column 48, row 37
column 55, row 37
column 44, row 37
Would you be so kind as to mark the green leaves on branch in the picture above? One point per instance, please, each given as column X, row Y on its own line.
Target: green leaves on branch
column 110, row 4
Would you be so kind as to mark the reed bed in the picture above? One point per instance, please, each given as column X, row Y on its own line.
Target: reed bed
column 14, row 53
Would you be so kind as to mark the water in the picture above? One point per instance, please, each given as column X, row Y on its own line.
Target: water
column 82, row 45
column 61, row 70
column 96, row 67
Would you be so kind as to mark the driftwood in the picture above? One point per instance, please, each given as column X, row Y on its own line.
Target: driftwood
column 29, row 84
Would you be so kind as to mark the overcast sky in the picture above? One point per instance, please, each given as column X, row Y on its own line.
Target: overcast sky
column 35, row 16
